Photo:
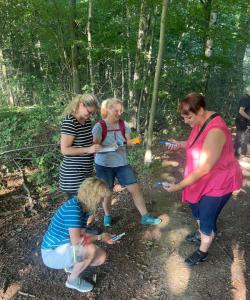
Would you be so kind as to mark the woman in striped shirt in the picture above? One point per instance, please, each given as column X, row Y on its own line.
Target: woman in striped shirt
column 66, row 245
column 77, row 143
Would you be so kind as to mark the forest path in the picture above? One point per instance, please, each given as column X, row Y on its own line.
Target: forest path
column 148, row 263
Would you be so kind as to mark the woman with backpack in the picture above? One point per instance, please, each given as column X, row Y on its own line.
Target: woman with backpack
column 112, row 130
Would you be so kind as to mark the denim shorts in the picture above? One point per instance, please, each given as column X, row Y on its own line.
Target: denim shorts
column 124, row 174
column 60, row 257
column 207, row 211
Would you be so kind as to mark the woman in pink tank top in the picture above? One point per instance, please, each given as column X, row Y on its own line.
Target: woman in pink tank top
column 211, row 172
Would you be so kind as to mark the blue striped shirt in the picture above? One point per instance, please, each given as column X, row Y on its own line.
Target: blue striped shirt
column 69, row 215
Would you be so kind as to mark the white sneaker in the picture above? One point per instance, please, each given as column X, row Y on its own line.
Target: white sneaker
column 79, row 284
column 68, row 269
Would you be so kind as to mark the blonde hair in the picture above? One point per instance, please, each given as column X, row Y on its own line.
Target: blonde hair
column 87, row 100
column 108, row 103
column 91, row 191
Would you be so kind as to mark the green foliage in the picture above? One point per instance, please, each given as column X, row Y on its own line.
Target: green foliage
column 36, row 65
column 35, row 132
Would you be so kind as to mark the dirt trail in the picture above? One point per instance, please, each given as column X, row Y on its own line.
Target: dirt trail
column 147, row 264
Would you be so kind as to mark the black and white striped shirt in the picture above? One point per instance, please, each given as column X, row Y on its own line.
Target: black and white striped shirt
column 74, row 169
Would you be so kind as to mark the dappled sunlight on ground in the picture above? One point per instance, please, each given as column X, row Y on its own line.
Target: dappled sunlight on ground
column 177, row 274
column 114, row 200
column 168, row 177
column 172, row 163
column 155, row 233
column 238, row 270
column 245, row 164
column 246, row 183
column 177, row 236
column 246, row 173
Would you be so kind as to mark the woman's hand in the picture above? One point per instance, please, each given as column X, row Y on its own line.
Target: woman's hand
column 107, row 238
column 171, row 187
column 174, row 145
column 94, row 148
column 130, row 143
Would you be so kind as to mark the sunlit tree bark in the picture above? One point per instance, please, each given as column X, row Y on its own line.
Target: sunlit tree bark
column 74, row 50
column 211, row 18
column 91, row 72
column 148, row 153
column 4, row 81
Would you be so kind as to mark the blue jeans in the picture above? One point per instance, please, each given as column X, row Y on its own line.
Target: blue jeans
column 207, row 211
column 124, row 174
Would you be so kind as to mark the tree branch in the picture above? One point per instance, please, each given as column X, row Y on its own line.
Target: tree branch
column 26, row 148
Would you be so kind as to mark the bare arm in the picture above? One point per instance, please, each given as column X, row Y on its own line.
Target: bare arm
column 210, row 154
column 243, row 113
column 67, row 149
column 97, row 140
column 75, row 235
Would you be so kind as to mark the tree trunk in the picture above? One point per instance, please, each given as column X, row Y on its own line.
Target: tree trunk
column 91, row 72
column 146, row 68
column 148, row 153
column 5, row 86
column 138, row 61
column 211, row 18
column 74, row 50
column 128, row 105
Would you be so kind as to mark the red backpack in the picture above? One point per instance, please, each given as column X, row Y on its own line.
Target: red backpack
column 105, row 129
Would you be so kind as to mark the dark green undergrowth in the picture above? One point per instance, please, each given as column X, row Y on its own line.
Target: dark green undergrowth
column 33, row 134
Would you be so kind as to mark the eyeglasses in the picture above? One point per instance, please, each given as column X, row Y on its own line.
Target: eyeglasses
column 91, row 113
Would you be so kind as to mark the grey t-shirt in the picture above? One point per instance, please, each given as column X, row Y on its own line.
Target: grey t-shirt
column 117, row 158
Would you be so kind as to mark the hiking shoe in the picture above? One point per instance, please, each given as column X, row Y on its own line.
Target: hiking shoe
column 79, row 284
column 150, row 220
column 196, row 258
column 68, row 269
column 107, row 221
column 194, row 238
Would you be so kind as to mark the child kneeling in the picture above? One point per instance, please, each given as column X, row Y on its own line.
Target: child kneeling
column 66, row 245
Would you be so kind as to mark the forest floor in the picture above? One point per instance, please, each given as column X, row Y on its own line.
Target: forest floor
column 148, row 263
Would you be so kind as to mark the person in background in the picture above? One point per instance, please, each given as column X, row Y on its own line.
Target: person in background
column 211, row 172
column 242, row 123
column 112, row 130
column 66, row 245
column 77, row 144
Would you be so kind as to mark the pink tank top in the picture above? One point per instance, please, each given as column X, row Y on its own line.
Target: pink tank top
column 226, row 175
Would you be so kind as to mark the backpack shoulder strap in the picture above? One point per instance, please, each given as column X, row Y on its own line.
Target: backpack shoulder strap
column 104, row 130
column 203, row 127
column 122, row 128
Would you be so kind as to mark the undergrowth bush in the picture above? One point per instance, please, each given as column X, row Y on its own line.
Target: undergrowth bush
column 34, row 133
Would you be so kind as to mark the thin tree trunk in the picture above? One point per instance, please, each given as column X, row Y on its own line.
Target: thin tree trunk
column 138, row 61
column 91, row 72
column 74, row 50
column 211, row 18
column 123, row 79
column 146, row 70
column 6, row 88
column 130, row 85
column 148, row 153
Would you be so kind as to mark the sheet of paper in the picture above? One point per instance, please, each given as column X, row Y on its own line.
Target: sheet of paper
column 110, row 148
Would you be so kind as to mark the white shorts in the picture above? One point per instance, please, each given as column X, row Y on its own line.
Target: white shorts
column 61, row 257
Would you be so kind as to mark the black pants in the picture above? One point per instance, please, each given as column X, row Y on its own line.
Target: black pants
column 240, row 143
